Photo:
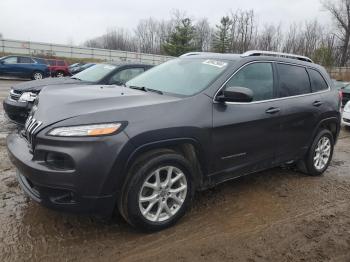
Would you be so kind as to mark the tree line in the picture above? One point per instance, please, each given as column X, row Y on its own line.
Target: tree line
column 237, row 32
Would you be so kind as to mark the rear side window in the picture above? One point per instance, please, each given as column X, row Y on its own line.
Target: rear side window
column 61, row 63
column 258, row 77
column 293, row 80
column 24, row 60
column 125, row 75
column 317, row 81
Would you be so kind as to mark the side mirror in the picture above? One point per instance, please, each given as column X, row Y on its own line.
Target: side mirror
column 236, row 94
column 2, row 62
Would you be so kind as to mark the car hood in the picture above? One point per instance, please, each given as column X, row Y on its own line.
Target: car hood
column 94, row 103
column 37, row 85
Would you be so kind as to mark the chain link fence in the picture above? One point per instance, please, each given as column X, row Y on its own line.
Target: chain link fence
column 8, row 46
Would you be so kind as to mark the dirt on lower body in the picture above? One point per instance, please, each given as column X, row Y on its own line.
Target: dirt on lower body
column 276, row 215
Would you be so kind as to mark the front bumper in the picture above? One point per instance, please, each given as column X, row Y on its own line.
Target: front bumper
column 346, row 118
column 16, row 111
column 81, row 189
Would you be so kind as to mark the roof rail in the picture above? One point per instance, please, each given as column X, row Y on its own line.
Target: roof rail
column 197, row 53
column 277, row 54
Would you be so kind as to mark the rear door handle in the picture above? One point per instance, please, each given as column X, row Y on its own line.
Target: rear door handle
column 317, row 103
column 273, row 110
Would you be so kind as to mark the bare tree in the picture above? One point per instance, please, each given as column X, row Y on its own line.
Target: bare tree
column 243, row 28
column 147, row 35
column 203, row 34
column 340, row 11
column 238, row 33
column 270, row 39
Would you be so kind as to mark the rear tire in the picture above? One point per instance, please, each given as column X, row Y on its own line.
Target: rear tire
column 37, row 75
column 60, row 74
column 320, row 154
column 158, row 191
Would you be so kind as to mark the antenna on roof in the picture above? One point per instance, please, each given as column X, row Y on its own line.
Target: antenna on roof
column 277, row 54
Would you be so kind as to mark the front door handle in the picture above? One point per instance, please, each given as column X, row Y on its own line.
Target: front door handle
column 317, row 103
column 273, row 110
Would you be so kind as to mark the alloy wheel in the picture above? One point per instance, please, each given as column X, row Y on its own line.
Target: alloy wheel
column 60, row 74
column 163, row 194
column 37, row 76
column 322, row 153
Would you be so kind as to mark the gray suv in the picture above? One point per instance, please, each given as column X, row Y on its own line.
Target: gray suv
column 186, row 125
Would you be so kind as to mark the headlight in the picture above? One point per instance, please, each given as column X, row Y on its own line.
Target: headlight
column 347, row 107
column 86, row 130
column 27, row 97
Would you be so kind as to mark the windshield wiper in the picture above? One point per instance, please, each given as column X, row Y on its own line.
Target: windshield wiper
column 145, row 89
column 142, row 88
column 76, row 78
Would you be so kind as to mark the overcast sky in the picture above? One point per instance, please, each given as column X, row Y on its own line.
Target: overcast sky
column 78, row 20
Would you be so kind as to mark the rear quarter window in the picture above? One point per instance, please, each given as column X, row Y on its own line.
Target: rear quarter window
column 61, row 63
column 317, row 81
column 293, row 80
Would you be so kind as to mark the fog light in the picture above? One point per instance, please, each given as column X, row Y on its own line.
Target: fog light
column 59, row 160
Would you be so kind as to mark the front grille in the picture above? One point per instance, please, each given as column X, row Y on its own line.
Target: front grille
column 30, row 128
column 15, row 95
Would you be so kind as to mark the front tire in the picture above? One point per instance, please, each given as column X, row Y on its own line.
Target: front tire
column 320, row 154
column 158, row 192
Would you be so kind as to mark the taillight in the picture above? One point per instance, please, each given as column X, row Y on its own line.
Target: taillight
column 341, row 94
column 340, row 98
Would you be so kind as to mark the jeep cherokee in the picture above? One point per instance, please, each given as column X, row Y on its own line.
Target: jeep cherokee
column 183, row 126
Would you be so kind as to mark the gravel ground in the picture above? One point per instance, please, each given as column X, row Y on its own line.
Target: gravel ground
column 276, row 215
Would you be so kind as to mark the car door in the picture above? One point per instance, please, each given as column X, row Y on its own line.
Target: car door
column 125, row 74
column 300, row 111
column 24, row 67
column 8, row 66
column 244, row 133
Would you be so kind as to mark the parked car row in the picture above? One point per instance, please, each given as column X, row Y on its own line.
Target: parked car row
column 146, row 145
column 22, row 96
column 38, row 68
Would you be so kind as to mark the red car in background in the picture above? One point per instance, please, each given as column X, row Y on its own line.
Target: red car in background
column 58, row 68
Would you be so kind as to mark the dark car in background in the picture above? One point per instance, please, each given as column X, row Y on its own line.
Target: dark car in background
column 21, row 97
column 338, row 84
column 58, row 68
column 345, row 91
column 70, row 67
column 186, row 125
column 24, row 67
column 81, row 68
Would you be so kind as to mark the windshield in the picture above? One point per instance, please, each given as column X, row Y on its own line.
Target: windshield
column 181, row 76
column 95, row 73
column 347, row 87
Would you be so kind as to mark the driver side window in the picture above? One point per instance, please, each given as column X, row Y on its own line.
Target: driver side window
column 125, row 75
column 257, row 77
column 10, row 60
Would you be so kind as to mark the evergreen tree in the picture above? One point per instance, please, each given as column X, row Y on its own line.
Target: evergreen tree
column 222, row 36
column 181, row 40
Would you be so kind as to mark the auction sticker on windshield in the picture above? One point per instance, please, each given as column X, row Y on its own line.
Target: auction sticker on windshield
column 109, row 67
column 215, row 63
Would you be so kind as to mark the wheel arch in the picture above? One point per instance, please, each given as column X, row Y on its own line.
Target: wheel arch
column 332, row 124
column 188, row 147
